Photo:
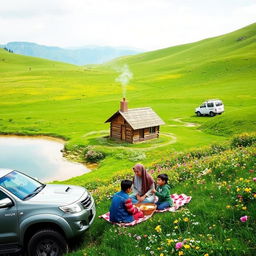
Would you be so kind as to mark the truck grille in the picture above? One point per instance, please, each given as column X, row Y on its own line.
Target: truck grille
column 86, row 202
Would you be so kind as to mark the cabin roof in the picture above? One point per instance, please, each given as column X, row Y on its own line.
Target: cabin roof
column 139, row 118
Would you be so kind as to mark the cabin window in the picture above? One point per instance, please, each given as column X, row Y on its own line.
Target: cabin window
column 210, row 105
column 152, row 130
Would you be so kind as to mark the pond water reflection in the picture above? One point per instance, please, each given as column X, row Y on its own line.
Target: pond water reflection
column 38, row 157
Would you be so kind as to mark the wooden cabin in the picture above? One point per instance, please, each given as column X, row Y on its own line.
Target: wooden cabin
column 134, row 125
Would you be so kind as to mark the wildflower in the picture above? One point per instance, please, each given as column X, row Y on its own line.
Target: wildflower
column 176, row 227
column 241, row 179
column 138, row 237
column 178, row 245
column 228, row 206
column 254, row 195
column 244, row 208
column 197, row 247
column 176, row 221
column 244, row 218
column 186, row 219
column 254, row 179
column 161, row 254
column 238, row 189
column 158, row 229
column 186, row 246
column 247, row 190
column 206, row 254
column 181, row 253
column 169, row 241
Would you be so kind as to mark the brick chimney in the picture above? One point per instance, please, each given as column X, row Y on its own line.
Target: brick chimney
column 123, row 105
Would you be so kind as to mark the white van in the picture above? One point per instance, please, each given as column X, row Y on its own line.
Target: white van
column 210, row 107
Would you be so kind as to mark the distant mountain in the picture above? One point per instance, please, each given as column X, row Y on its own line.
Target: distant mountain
column 77, row 56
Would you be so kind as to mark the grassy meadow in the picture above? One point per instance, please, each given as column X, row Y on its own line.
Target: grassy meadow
column 42, row 97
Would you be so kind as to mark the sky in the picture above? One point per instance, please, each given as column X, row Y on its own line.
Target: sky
column 141, row 24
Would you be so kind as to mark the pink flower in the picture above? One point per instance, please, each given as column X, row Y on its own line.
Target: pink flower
column 178, row 245
column 244, row 218
column 254, row 179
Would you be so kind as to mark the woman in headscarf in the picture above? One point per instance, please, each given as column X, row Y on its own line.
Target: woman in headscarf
column 143, row 184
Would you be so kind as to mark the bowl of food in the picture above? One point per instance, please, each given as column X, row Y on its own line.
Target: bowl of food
column 146, row 208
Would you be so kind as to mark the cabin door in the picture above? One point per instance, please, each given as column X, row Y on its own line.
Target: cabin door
column 123, row 132
column 141, row 131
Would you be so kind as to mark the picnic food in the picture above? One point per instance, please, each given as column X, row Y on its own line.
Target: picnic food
column 147, row 208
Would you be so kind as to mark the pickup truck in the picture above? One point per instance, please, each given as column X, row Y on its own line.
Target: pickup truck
column 38, row 218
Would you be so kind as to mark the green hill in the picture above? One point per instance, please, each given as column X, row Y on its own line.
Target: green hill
column 52, row 98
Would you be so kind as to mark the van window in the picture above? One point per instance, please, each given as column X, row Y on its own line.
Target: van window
column 218, row 104
column 210, row 105
column 202, row 106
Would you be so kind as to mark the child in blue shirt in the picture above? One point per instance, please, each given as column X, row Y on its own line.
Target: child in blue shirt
column 122, row 209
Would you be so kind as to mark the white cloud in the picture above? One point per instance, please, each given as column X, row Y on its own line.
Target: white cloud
column 145, row 24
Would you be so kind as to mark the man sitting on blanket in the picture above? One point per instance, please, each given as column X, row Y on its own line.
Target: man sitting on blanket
column 122, row 209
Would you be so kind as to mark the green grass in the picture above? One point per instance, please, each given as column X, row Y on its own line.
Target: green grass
column 51, row 98
column 212, row 178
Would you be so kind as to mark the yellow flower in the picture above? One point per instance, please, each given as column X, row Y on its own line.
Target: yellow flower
column 247, row 189
column 206, row 254
column 254, row 195
column 176, row 221
column 169, row 241
column 241, row 179
column 186, row 219
column 228, row 206
column 161, row 254
column 186, row 246
column 197, row 248
column 181, row 253
column 176, row 227
column 244, row 208
column 238, row 189
column 158, row 229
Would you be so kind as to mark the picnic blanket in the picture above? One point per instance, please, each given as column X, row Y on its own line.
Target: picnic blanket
column 178, row 201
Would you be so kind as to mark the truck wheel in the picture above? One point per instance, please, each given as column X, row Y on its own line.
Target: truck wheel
column 212, row 114
column 47, row 242
column 198, row 113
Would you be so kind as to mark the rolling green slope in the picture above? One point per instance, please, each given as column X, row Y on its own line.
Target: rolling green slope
column 45, row 97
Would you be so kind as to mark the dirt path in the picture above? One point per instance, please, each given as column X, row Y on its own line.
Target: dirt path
column 172, row 139
column 182, row 123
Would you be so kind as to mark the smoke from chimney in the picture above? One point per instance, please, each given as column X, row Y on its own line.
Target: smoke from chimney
column 124, row 78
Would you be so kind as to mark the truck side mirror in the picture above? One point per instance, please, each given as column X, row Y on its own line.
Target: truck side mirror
column 5, row 203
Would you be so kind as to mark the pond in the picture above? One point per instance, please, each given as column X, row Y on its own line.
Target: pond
column 38, row 157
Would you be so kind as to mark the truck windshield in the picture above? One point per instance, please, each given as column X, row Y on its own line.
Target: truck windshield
column 21, row 185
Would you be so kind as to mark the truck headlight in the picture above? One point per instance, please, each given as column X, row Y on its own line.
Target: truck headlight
column 71, row 208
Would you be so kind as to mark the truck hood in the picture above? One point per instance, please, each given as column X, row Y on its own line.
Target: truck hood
column 59, row 194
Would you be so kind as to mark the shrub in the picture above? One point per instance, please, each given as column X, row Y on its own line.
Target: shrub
column 243, row 140
column 93, row 156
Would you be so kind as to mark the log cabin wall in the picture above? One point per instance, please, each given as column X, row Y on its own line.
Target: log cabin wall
column 121, row 130
column 147, row 135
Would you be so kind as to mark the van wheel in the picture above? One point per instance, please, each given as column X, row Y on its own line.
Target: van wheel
column 198, row 113
column 47, row 242
column 212, row 114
